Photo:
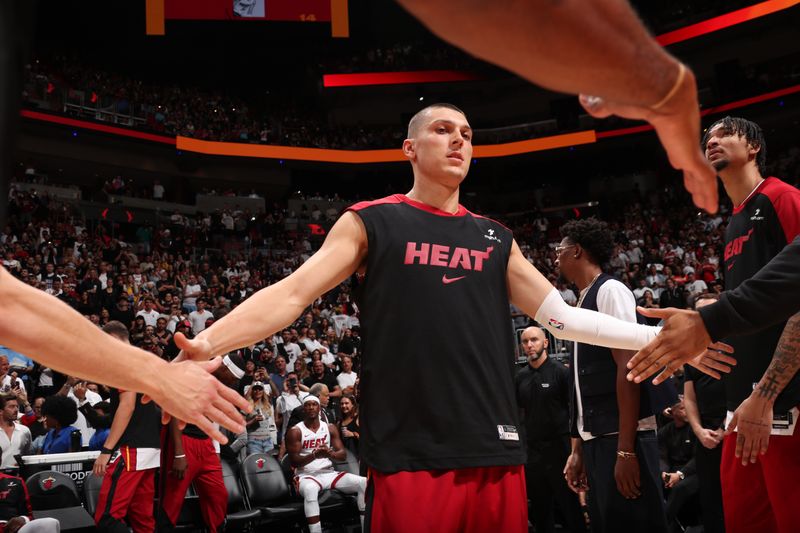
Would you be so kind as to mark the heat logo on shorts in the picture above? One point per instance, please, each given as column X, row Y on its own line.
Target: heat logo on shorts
column 556, row 324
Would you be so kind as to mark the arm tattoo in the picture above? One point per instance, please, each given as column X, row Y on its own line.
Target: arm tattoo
column 785, row 362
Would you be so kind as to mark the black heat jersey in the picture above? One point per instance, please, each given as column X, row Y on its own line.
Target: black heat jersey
column 761, row 227
column 437, row 379
column 144, row 427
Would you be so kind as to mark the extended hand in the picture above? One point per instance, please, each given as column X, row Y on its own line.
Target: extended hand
column 188, row 391
column 677, row 124
column 752, row 421
column 683, row 338
column 197, row 349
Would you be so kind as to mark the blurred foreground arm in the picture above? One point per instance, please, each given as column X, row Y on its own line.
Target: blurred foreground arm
column 49, row 331
column 769, row 297
column 592, row 47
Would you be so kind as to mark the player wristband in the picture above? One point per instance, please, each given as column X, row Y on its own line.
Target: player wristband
column 106, row 450
column 626, row 455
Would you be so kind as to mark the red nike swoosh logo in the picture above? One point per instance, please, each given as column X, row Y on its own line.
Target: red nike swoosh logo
column 731, row 265
column 447, row 280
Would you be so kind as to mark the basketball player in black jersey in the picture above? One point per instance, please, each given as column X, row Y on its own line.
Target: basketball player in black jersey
column 594, row 47
column 128, row 460
column 435, row 308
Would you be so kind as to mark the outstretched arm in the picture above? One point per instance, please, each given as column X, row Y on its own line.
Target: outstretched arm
column 531, row 292
column 49, row 331
column 593, row 47
column 274, row 307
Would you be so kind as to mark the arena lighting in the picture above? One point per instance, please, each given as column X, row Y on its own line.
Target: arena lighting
column 725, row 21
column 709, row 111
column 380, row 156
column 396, row 78
column 373, row 156
column 114, row 130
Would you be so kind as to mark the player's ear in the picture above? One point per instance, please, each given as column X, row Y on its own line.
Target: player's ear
column 409, row 149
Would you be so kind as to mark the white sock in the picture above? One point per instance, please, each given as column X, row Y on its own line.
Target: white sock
column 315, row 528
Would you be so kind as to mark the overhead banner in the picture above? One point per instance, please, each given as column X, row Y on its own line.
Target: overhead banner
column 278, row 10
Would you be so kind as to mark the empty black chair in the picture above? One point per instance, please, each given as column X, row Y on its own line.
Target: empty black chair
column 91, row 492
column 52, row 490
column 238, row 513
column 349, row 465
column 54, row 495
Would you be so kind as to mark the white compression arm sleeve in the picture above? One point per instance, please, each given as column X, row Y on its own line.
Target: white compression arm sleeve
column 591, row 327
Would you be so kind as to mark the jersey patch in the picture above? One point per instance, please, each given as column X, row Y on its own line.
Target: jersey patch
column 507, row 432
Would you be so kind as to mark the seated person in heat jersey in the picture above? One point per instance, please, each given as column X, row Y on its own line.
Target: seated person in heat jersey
column 311, row 445
column 60, row 413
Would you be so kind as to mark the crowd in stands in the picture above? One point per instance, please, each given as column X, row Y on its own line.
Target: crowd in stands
column 162, row 281
column 158, row 281
column 67, row 86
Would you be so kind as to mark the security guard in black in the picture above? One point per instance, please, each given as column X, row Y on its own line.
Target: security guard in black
column 542, row 391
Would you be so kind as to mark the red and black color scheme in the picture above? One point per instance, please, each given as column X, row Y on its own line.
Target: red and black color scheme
column 758, row 230
column 455, row 364
column 449, row 500
column 14, row 500
column 204, row 471
column 128, row 491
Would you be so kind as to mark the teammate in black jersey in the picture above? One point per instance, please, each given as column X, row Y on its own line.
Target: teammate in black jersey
column 435, row 326
column 763, row 392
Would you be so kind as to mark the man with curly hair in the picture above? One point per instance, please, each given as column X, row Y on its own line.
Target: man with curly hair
column 614, row 443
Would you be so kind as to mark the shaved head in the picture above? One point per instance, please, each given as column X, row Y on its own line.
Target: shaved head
column 419, row 119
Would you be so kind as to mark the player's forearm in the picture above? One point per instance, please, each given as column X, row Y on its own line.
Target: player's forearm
column 49, row 331
column 176, row 435
column 627, row 403
column 590, row 327
column 596, row 47
column 121, row 419
column 785, row 362
column 267, row 311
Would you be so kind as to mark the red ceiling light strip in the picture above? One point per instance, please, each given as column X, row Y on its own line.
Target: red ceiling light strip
column 710, row 111
column 74, row 123
column 396, row 78
column 725, row 21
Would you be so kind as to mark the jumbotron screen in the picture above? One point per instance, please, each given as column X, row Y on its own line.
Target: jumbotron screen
column 286, row 10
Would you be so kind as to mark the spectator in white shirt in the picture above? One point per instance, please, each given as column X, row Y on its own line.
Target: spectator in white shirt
column 149, row 313
column 15, row 439
column 639, row 291
column 347, row 378
column 566, row 293
column 8, row 382
column 312, row 343
column 198, row 318
column 191, row 291
column 78, row 392
column 694, row 287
